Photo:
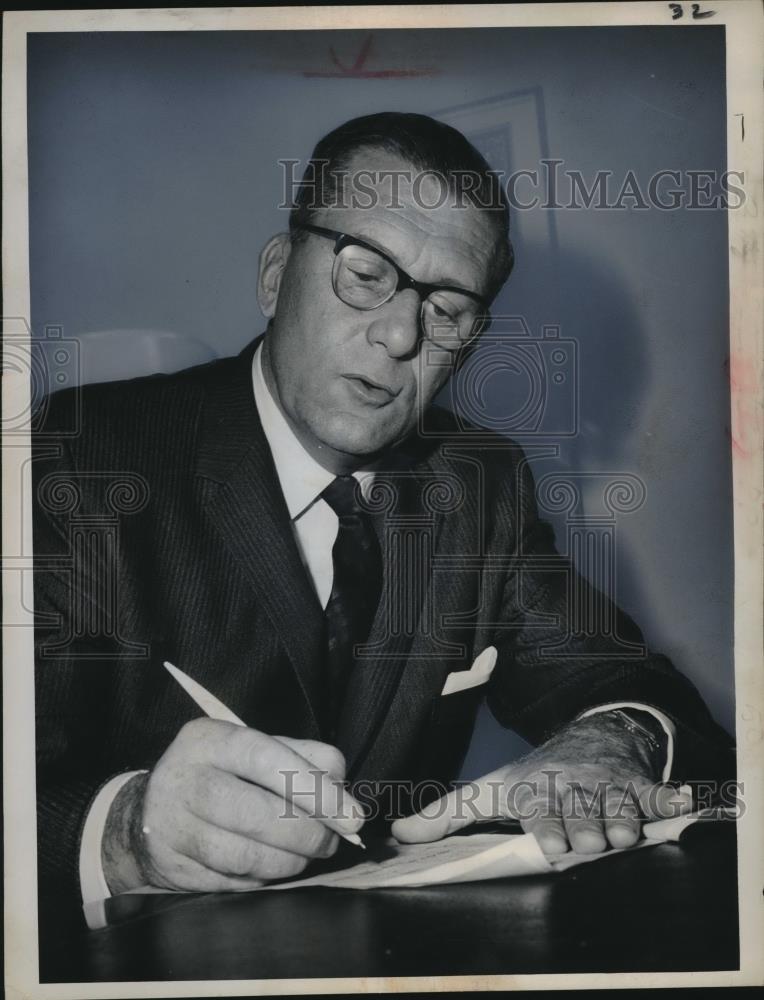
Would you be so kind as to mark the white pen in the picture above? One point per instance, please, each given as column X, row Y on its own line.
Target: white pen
column 215, row 709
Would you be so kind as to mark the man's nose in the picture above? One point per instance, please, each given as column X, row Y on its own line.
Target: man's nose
column 395, row 325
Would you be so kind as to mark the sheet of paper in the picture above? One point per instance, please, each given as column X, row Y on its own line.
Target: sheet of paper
column 472, row 858
column 455, row 859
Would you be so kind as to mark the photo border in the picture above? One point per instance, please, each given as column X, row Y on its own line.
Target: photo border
column 743, row 20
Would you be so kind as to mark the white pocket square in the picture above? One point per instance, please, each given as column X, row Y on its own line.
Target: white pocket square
column 479, row 672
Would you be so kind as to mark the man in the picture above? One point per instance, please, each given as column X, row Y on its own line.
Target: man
column 320, row 548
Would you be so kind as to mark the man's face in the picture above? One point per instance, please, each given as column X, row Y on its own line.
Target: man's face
column 352, row 383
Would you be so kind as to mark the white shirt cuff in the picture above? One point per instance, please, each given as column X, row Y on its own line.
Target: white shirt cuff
column 668, row 726
column 93, row 884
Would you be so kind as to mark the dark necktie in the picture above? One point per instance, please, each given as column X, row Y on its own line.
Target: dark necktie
column 356, row 588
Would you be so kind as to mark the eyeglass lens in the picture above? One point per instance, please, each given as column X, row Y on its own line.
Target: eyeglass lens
column 365, row 280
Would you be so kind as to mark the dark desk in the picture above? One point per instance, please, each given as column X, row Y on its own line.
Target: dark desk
column 667, row 908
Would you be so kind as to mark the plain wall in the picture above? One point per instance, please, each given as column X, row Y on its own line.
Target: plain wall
column 154, row 182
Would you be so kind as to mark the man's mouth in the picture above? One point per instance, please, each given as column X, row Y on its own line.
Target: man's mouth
column 370, row 391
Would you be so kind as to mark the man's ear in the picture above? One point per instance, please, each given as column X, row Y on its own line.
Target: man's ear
column 273, row 258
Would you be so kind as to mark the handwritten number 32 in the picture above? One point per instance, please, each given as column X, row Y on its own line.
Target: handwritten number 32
column 677, row 11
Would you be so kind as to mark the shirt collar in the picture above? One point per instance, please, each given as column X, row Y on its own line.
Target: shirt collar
column 301, row 477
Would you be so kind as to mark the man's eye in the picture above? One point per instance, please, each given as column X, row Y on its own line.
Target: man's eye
column 363, row 276
column 440, row 312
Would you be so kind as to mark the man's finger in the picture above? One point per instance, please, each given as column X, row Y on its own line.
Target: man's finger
column 539, row 814
column 322, row 755
column 622, row 818
column 661, row 801
column 185, row 873
column 251, row 811
column 238, row 857
column 475, row 801
column 272, row 764
column 582, row 816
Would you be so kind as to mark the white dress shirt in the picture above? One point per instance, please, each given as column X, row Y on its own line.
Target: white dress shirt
column 315, row 525
column 302, row 481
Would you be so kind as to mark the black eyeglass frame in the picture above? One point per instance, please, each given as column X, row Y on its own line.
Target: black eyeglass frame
column 405, row 280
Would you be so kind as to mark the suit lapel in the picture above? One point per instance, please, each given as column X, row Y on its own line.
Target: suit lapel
column 246, row 506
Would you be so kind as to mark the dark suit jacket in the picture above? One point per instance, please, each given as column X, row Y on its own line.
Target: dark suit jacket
column 161, row 533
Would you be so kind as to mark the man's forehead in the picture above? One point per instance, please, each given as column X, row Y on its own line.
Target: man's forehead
column 415, row 216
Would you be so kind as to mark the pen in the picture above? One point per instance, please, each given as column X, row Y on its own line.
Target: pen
column 215, row 709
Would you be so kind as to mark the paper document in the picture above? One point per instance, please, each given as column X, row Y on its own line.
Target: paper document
column 476, row 857
column 454, row 859
column 472, row 858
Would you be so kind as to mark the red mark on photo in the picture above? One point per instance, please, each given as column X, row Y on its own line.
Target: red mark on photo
column 746, row 409
column 357, row 70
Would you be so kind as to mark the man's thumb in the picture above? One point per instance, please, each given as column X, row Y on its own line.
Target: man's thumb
column 661, row 801
column 446, row 815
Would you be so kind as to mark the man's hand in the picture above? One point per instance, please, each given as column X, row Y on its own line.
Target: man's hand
column 226, row 808
column 588, row 787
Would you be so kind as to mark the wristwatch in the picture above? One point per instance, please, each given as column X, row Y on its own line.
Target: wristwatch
column 640, row 727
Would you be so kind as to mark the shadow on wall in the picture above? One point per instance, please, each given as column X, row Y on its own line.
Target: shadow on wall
column 571, row 400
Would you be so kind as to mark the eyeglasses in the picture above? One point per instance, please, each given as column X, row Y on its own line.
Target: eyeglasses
column 365, row 278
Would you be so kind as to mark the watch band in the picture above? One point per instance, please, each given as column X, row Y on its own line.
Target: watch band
column 637, row 728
